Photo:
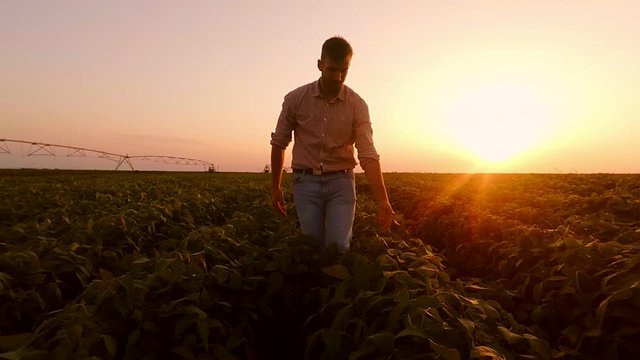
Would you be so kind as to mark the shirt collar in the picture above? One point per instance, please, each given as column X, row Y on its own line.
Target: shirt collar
column 316, row 91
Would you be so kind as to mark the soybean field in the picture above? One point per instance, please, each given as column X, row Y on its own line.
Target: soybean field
column 142, row 265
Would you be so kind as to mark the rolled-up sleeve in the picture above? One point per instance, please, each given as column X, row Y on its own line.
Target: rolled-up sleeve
column 286, row 123
column 364, row 135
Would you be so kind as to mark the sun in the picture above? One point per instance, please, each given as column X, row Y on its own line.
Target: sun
column 496, row 121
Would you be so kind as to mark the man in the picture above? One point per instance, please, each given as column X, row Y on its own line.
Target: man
column 327, row 119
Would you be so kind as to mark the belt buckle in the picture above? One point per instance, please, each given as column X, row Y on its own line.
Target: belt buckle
column 317, row 172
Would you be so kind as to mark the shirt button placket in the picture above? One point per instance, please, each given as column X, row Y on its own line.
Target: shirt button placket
column 323, row 131
column 322, row 134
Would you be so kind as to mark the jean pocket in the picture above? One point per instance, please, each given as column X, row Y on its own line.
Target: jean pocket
column 297, row 178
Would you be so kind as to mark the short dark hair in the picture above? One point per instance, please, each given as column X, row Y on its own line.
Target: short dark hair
column 336, row 48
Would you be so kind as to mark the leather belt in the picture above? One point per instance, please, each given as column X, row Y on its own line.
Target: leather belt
column 320, row 172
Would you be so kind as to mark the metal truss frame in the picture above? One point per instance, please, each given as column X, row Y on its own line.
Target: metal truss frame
column 44, row 149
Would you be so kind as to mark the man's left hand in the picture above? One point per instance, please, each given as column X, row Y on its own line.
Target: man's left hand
column 385, row 216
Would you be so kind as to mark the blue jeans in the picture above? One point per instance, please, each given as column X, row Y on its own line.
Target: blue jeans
column 326, row 206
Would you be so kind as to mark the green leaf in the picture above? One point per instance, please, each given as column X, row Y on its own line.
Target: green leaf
column 340, row 320
column 142, row 260
column 426, row 271
column 190, row 340
column 572, row 333
column 197, row 311
column 382, row 283
column 13, row 355
column 627, row 331
column 402, row 296
column 363, row 352
column 133, row 338
column 183, row 323
column 485, row 353
column 488, row 310
column 444, row 276
column 275, row 282
column 63, row 351
column 393, row 273
column 221, row 273
column 476, row 287
column 362, row 273
column 235, row 280
column 539, row 347
column 74, row 333
column 272, row 266
column 359, row 330
column 621, row 294
column 425, row 301
column 13, row 342
column 310, row 344
column 332, row 341
column 384, row 341
column 341, row 291
column 468, row 325
column 446, row 353
column 105, row 275
column 111, row 344
column 150, row 327
column 385, row 261
column 508, row 336
column 337, row 271
column 412, row 332
column 433, row 313
column 234, row 341
column 394, row 316
column 538, row 290
column 184, row 352
column 203, row 332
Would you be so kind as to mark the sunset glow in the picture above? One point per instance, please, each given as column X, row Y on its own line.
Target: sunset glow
column 455, row 86
column 496, row 121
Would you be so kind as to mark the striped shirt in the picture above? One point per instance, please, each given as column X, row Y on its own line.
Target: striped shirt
column 325, row 132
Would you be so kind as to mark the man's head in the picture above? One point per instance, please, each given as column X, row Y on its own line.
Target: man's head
column 336, row 48
column 334, row 64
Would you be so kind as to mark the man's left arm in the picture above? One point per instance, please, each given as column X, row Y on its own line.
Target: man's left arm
column 370, row 163
column 385, row 212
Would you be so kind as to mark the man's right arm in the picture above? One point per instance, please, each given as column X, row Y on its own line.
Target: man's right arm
column 277, row 163
column 280, row 139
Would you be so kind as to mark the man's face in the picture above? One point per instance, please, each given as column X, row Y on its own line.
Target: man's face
column 334, row 72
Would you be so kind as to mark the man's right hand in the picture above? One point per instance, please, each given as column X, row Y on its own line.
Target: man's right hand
column 277, row 202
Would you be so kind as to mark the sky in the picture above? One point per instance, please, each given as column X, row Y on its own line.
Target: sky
column 452, row 86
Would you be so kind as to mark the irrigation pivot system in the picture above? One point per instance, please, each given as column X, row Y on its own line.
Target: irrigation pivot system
column 43, row 149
